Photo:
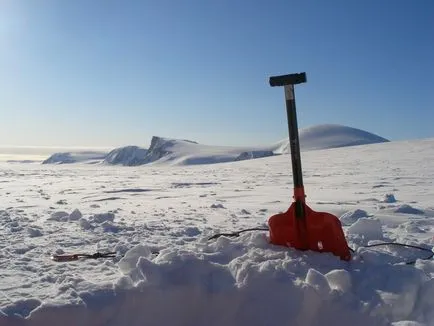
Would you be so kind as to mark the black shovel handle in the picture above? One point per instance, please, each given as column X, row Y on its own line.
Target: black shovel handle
column 288, row 81
column 291, row 79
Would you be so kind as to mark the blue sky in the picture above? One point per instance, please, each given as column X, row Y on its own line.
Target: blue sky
column 114, row 73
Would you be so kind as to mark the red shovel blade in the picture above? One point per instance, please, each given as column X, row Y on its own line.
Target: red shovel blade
column 318, row 231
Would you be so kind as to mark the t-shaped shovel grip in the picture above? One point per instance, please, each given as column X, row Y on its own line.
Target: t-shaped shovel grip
column 291, row 79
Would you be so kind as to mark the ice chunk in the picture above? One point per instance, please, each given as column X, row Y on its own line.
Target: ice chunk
column 352, row 216
column 369, row 228
column 339, row 279
column 75, row 215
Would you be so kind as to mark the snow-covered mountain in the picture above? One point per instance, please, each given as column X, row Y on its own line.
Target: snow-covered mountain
column 334, row 136
column 185, row 152
column 75, row 157
column 128, row 156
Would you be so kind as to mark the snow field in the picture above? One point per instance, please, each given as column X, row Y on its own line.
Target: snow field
column 160, row 218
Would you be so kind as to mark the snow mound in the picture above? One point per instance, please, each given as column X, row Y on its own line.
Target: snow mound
column 128, row 156
column 327, row 136
column 75, row 157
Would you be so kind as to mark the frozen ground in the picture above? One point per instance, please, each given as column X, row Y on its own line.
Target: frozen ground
column 159, row 219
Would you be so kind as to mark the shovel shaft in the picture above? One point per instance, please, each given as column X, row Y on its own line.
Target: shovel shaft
column 294, row 141
column 288, row 81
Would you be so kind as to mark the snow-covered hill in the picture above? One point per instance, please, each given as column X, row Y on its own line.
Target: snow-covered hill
column 327, row 136
column 75, row 157
column 334, row 136
column 127, row 156
column 185, row 152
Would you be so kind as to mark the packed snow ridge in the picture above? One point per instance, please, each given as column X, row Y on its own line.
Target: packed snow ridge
column 185, row 152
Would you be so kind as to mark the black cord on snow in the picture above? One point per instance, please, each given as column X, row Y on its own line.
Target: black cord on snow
column 235, row 234
column 411, row 262
column 72, row 257
column 431, row 253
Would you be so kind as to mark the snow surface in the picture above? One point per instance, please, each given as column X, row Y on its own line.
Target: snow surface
column 185, row 152
column 159, row 218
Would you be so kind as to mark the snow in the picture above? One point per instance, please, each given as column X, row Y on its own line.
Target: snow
column 158, row 219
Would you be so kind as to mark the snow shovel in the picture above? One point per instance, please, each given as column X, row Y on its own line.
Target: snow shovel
column 301, row 227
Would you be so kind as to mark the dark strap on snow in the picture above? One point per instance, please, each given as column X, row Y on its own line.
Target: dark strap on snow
column 72, row 257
